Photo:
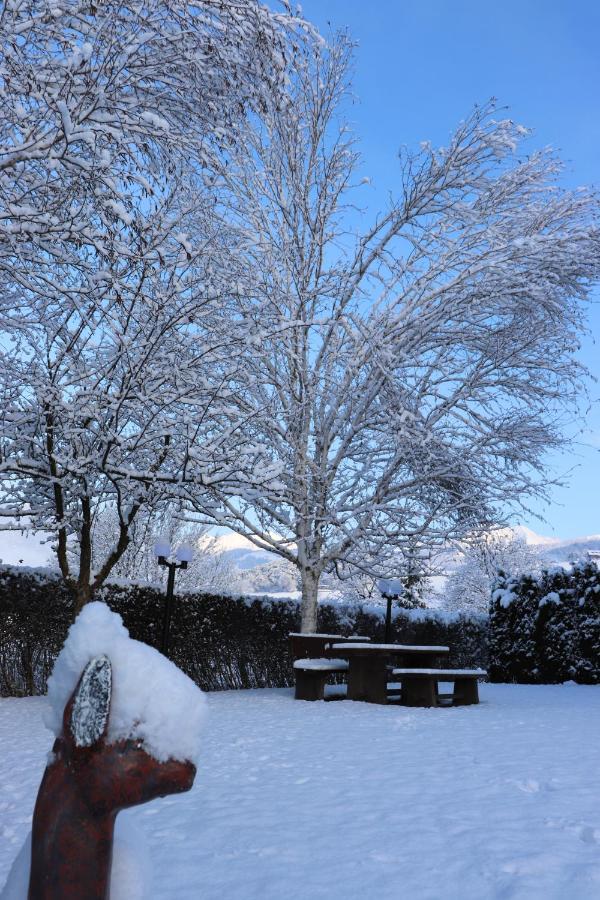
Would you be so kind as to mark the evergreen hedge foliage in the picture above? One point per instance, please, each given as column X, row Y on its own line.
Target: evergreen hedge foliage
column 222, row 642
column 546, row 630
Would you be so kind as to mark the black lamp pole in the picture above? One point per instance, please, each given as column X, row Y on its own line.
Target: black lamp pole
column 171, row 566
column 388, row 615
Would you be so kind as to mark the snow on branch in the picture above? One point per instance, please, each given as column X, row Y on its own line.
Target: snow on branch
column 121, row 380
column 429, row 360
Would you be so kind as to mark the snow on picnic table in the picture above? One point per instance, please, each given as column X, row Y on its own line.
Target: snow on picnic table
column 349, row 800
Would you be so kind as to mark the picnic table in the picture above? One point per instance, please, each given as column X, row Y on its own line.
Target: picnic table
column 368, row 669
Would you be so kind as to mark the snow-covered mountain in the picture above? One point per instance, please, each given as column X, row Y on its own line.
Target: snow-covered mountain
column 533, row 539
column 569, row 550
column 558, row 550
column 551, row 550
column 237, row 551
column 264, row 572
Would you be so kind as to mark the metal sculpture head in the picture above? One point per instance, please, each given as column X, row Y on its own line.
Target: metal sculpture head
column 86, row 783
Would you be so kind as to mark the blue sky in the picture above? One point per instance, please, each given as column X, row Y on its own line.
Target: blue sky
column 420, row 67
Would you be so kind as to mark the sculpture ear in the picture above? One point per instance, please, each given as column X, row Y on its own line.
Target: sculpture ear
column 91, row 703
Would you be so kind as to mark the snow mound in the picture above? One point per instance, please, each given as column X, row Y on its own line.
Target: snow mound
column 151, row 700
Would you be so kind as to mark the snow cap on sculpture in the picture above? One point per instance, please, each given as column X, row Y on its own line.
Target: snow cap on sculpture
column 151, row 699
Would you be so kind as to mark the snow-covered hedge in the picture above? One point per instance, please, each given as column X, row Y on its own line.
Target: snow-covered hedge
column 220, row 641
column 547, row 629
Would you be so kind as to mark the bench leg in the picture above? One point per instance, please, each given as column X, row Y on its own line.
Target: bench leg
column 310, row 685
column 466, row 691
column 419, row 691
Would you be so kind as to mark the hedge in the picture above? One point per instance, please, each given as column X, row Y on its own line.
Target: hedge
column 546, row 630
column 221, row 641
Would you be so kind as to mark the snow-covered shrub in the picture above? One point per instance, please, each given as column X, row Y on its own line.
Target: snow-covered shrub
column 547, row 629
column 576, row 624
column 512, row 621
column 35, row 612
column 220, row 641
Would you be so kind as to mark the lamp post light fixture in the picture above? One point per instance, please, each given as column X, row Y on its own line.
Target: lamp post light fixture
column 390, row 589
column 183, row 555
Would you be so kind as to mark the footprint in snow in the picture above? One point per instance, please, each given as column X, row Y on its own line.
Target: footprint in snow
column 589, row 835
column 531, row 786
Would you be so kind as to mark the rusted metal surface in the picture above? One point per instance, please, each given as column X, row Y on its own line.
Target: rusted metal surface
column 82, row 790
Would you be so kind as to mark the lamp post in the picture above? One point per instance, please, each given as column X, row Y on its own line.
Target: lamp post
column 393, row 588
column 183, row 556
column 390, row 589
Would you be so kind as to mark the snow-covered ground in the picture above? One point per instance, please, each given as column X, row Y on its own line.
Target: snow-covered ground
column 347, row 800
column 24, row 548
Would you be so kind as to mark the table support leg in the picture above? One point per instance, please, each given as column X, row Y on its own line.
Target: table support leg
column 367, row 679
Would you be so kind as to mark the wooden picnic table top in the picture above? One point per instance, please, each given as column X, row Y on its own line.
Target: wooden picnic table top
column 386, row 649
column 329, row 637
column 441, row 674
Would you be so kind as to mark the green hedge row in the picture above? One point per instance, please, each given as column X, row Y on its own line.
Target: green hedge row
column 222, row 642
column 546, row 630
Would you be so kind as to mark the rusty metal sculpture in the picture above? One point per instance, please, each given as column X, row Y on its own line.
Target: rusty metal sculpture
column 86, row 783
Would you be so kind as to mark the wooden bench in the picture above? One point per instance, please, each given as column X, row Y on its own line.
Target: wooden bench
column 312, row 674
column 420, row 686
column 312, row 646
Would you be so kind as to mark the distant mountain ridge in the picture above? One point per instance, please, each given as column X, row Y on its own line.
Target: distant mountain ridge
column 568, row 551
column 265, row 572
column 537, row 540
column 240, row 553
column 245, row 555
column 237, row 550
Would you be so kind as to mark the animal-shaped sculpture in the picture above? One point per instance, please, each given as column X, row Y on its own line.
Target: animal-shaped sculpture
column 86, row 783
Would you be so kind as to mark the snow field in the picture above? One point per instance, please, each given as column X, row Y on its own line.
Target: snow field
column 346, row 800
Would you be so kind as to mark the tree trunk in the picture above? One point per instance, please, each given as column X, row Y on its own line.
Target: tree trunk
column 83, row 595
column 310, row 587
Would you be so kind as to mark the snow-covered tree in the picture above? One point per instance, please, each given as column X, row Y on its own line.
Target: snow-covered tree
column 408, row 373
column 278, row 576
column 97, row 103
column 469, row 587
column 209, row 569
column 124, row 401
column 119, row 381
column 412, row 570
